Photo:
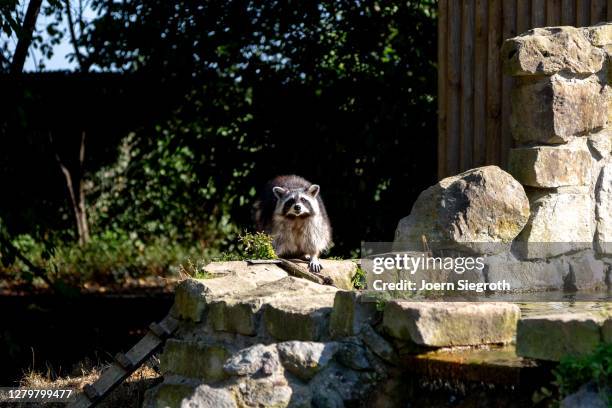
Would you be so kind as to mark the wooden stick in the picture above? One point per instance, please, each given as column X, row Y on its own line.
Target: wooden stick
column 294, row 270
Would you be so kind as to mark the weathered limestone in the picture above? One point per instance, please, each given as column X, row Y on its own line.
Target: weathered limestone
column 589, row 395
column 527, row 276
column 603, row 211
column 483, row 205
column 192, row 295
column 551, row 166
column 601, row 143
column 206, row 396
column 553, row 109
column 305, row 359
column 442, row 324
column 377, row 344
column 585, row 272
column 349, row 313
column 600, row 34
column 552, row 337
column 546, row 51
column 258, row 359
column 194, row 360
column 563, row 220
column 299, row 318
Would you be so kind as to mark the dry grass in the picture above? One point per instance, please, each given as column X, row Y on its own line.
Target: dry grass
column 129, row 394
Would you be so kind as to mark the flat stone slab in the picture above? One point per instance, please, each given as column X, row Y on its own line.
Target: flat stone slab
column 551, row 166
column 552, row 337
column 443, row 324
column 238, row 312
column 192, row 295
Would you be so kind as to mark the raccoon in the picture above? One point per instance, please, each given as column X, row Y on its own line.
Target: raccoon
column 291, row 211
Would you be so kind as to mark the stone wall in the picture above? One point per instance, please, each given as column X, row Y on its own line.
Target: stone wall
column 257, row 337
column 546, row 223
column 562, row 125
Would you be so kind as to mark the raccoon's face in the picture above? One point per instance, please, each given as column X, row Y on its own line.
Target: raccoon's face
column 296, row 203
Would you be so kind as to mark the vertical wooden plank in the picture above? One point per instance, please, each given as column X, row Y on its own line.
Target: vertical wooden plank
column 568, row 12
column 494, row 83
column 480, row 83
column 453, row 101
column 523, row 15
column 442, row 74
column 598, row 11
column 553, row 13
column 467, row 85
column 538, row 13
column 508, row 31
column 583, row 13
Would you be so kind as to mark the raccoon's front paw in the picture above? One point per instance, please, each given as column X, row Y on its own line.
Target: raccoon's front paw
column 314, row 265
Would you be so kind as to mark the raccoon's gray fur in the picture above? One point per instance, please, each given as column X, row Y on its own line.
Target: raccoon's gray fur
column 291, row 211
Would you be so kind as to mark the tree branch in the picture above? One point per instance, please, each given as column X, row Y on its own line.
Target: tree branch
column 73, row 38
column 25, row 36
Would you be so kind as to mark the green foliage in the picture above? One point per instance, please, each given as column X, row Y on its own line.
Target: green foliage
column 359, row 279
column 352, row 79
column 194, row 269
column 257, row 246
column 573, row 372
column 110, row 258
column 353, row 83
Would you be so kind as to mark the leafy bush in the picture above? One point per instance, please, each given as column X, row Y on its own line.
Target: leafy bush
column 359, row 279
column 257, row 246
column 110, row 258
column 573, row 372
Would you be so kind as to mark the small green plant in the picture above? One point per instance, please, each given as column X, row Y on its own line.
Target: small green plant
column 194, row 269
column 359, row 279
column 229, row 256
column 573, row 372
column 257, row 245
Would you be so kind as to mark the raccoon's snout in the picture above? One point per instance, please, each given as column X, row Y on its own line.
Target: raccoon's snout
column 297, row 207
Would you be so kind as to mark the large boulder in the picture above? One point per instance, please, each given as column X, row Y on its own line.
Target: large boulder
column 551, row 110
column 443, row 324
column 484, row 205
column 546, row 51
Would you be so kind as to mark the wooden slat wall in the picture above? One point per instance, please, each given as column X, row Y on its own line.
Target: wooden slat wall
column 473, row 94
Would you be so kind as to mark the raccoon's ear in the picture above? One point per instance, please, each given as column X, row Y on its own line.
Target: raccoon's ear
column 314, row 190
column 279, row 192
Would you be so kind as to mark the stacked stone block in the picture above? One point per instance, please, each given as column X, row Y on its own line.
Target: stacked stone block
column 562, row 125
